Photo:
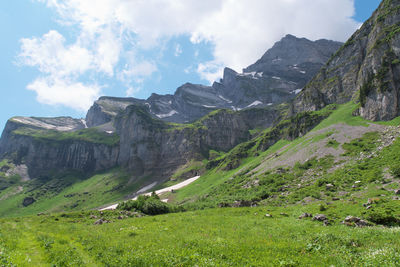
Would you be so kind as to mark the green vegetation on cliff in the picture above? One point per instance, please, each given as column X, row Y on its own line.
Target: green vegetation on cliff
column 91, row 135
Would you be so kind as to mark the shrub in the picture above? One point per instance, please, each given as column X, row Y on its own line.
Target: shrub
column 395, row 170
column 150, row 205
column 383, row 216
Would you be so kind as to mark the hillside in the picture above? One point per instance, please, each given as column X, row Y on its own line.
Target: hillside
column 311, row 180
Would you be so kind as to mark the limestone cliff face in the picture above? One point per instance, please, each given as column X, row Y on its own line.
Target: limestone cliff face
column 144, row 145
column 47, row 155
column 149, row 146
column 366, row 69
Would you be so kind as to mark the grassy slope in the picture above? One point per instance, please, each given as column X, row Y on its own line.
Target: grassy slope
column 228, row 236
column 214, row 237
column 103, row 188
column 211, row 181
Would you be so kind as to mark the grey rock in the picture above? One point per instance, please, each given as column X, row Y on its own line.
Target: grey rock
column 28, row 201
column 305, row 215
column 320, row 217
column 352, row 219
column 329, row 186
column 367, row 63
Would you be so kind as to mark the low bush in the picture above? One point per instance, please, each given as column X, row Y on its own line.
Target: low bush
column 150, row 205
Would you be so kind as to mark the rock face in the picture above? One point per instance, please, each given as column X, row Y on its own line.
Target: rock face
column 139, row 142
column 277, row 77
column 152, row 145
column 47, row 151
column 366, row 69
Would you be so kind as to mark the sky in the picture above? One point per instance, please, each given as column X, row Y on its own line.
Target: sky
column 58, row 56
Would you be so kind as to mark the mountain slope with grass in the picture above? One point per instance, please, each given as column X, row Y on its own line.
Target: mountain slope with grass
column 313, row 182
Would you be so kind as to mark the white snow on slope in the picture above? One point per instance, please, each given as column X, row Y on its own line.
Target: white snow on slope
column 255, row 103
column 158, row 192
column 223, row 98
column 169, row 114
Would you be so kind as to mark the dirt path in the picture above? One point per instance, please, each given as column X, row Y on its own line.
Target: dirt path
column 158, row 192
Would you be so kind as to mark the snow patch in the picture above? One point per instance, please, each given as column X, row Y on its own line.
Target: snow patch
column 169, row 114
column 252, row 74
column 297, row 91
column 209, row 106
column 277, row 59
column 84, row 123
column 302, row 71
column 223, row 98
column 255, row 103
column 276, row 78
column 270, row 104
column 109, row 132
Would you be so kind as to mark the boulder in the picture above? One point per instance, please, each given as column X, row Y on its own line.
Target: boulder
column 28, row 201
column 305, row 215
column 320, row 217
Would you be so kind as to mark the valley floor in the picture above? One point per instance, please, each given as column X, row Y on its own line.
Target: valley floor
column 213, row 237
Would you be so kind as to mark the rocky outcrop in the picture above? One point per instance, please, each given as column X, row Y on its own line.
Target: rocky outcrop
column 366, row 69
column 47, row 152
column 149, row 145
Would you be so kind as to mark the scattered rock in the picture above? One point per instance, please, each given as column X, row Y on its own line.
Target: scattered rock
column 335, row 198
column 284, row 214
column 368, row 207
column 355, row 221
column 397, row 192
column 28, row 201
column 268, row 215
column 305, row 215
column 40, row 214
column 363, row 223
column 242, row 203
column 93, row 217
column 351, row 219
column 329, row 186
column 320, row 217
column 101, row 221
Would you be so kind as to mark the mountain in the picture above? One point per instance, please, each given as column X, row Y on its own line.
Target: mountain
column 366, row 69
column 317, row 179
column 144, row 137
column 275, row 78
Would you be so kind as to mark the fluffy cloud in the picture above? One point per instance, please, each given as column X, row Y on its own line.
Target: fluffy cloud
column 56, row 91
column 239, row 32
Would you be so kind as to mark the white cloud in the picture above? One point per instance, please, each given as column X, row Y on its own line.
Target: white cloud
column 55, row 91
column 210, row 71
column 131, row 91
column 239, row 32
column 50, row 55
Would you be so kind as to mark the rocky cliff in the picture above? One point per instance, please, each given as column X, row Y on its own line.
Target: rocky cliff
column 48, row 148
column 276, row 78
column 366, row 69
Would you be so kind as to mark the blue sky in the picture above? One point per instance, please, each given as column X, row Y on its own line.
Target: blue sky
column 56, row 57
